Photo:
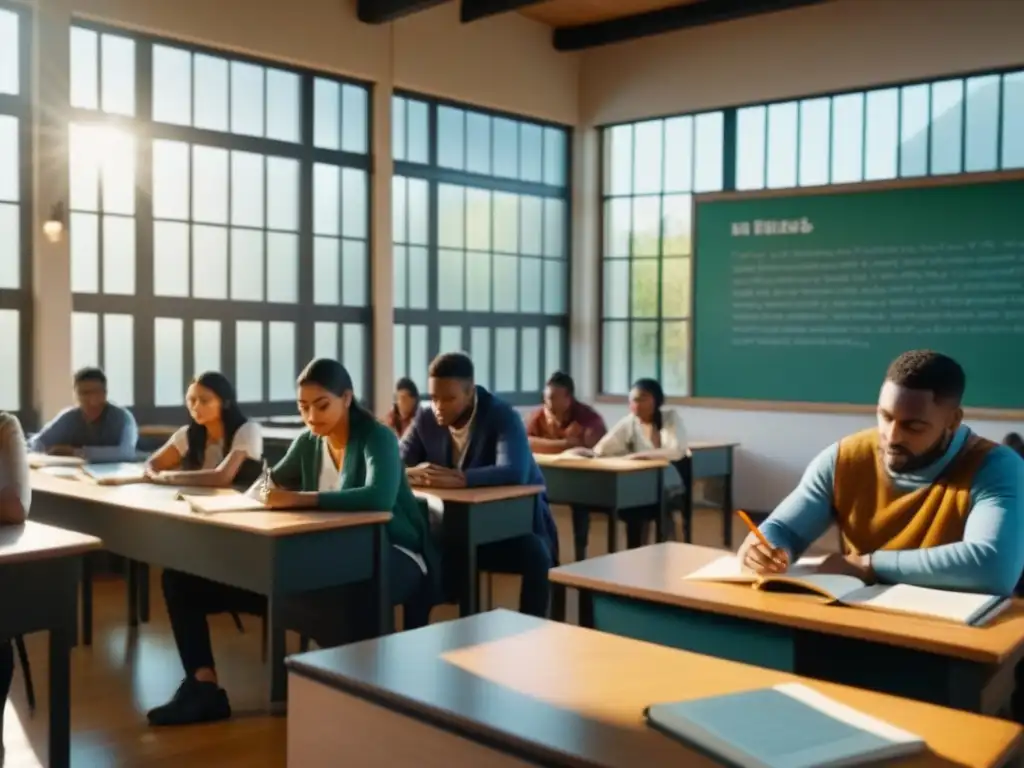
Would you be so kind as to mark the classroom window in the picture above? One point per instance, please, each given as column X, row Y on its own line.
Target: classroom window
column 15, row 213
column 480, row 243
column 219, row 214
column 651, row 171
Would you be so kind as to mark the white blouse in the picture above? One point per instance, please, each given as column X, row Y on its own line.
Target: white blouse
column 14, row 459
column 248, row 438
column 629, row 436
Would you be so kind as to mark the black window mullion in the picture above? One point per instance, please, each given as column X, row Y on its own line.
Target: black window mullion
column 307, row 330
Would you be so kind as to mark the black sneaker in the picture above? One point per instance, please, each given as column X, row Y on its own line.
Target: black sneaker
column 193, row 702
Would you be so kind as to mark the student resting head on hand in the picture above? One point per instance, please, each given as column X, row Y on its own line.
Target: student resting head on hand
column 347, row 461
column 407, row 401
column 218, row 443
column 15, row 498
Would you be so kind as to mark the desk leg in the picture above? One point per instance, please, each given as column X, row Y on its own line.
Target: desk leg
column 277, row 680
column 131, row 575
column 143, row 589
column 86, row 583
column 613, row 530
column 381, row 589
column 60, row 698
column 662, row 523
column 727, row 510
column 586, row 608
column 470, row 603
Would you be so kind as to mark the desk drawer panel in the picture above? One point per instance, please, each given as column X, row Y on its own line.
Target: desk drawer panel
column 601, row 490
column 711, row 462
column 723, row 637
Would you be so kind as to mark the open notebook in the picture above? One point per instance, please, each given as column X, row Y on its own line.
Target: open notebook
column 220, row 501
column 121, row 473
column 958, row 607
column 787, row 726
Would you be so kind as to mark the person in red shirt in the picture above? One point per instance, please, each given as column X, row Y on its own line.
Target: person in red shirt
column 563, row 422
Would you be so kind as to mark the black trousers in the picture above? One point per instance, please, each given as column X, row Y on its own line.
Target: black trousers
column 190, row 599
column 528, row 557
column 6, row 676
column 637, row 523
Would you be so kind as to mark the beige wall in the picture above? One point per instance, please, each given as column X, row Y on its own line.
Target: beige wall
column 505, row 63
column 838, row 45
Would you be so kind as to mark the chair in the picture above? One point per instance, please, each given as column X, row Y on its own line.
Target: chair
column 26, row 671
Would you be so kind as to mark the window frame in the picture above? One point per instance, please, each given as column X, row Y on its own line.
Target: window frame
column 730, row 177
column 21, row 299
column 145, row 307
column 433, row 318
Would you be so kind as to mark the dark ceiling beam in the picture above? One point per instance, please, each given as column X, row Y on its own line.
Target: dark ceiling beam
column 383, row 11
column 473, row 10
column 696, row 14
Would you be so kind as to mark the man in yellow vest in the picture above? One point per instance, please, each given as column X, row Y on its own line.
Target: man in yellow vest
column 919, row 499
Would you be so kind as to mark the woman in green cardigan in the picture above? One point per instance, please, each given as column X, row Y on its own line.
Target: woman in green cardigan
column 347, row 461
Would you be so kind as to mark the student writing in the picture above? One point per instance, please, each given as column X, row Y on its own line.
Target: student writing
column 470, row 438
column 95, row 429
column 15, row 499
column 213, row 447
column 346, row 461
column 919, row 499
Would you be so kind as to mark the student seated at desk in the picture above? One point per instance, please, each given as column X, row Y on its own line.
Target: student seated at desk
column 651, row 430
column 407, row 402
column 561, row 424
column 347, row 461
column 919, row 499
column 15, row 498
column 95, row 429
column 470, row 438
column 195, row 454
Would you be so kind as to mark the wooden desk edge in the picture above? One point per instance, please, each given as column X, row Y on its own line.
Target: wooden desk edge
column 51, row 553
column 902, row 640
column 334, row 521
column 432, row 716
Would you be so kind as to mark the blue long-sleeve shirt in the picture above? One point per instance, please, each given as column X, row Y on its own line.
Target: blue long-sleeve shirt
column 989, row 559
column 110, row 438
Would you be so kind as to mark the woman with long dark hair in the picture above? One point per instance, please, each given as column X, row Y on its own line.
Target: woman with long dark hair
column 15, row 499
column 407, row 402
column 650, row 430
column 215, row 446
column 346, row 461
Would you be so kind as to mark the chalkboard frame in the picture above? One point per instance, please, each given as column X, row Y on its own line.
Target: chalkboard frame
column 962, row 179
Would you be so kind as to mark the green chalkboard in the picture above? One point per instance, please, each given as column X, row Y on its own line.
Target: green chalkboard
column 807, row 297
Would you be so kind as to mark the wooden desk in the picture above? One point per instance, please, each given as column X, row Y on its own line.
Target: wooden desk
column 473, row 517
column 641, row 594
column 605, row 486
column 277, row 554
column 710, row 461
column 39, row 571
column 502, row 689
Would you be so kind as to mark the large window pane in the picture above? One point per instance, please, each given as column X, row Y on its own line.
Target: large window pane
column 815, row 141
column 881, row 141
column 947, row 126
column 782, row 145
column 981, row 145
column 847, row 138
column 1013, row 120
column 751, row 129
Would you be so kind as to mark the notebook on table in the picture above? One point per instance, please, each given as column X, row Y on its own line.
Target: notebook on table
column 121, row 473
column 958, row 607
column 41, row 460
column 220, row 501
column 786, row 726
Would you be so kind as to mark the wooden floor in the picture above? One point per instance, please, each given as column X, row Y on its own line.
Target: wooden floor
column 122, row 675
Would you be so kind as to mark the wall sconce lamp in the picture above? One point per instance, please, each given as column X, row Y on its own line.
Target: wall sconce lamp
column 53, row 227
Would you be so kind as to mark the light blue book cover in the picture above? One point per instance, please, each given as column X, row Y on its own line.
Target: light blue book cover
column 788, row 726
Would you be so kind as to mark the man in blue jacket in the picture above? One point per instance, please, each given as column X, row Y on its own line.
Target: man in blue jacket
column 469, row 438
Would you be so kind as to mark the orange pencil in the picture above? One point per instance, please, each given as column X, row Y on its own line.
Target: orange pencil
column 754, row 529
